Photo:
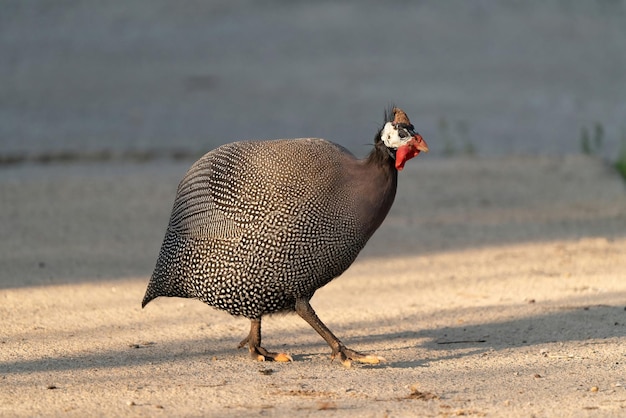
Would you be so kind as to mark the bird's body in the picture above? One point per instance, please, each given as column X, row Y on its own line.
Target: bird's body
column 289, row 233
column 258, row 226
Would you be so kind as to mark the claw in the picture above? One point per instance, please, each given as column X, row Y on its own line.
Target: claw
column 283, row 357
column 371, row 359
column 261, row 354
column 279, row 357
column 347, row 356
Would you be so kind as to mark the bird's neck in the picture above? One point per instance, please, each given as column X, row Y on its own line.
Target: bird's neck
column 377, row 183
column 380, row 156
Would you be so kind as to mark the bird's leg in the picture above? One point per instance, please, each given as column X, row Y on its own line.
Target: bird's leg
column 253, row 340
column 347, row 356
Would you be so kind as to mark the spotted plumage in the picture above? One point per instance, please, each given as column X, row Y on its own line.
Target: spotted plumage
column 258, row 226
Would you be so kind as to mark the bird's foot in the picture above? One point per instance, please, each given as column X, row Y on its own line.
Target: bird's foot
column 347, row 356
column 261, row 354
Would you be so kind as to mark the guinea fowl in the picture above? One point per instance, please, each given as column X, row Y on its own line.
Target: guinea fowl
column 258, row 226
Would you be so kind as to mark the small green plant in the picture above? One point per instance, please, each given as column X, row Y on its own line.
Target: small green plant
column 444, row 133
column 462, row 128
column 451, row 140
column 592, row 145
column 620, row 164
column 589, row 146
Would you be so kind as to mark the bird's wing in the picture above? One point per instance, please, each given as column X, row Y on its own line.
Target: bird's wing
column 239, row 185
column 196, row 211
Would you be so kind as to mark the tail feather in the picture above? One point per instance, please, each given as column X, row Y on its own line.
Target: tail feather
column 169, row 278
column 150, row 294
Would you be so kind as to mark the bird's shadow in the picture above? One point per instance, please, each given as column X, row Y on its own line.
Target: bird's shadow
column 577, row 323
column 407, row 348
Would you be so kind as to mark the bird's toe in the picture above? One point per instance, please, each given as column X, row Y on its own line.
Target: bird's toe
column 348, row 356
column 282, row 357
column 371, row 359
column 261, row 354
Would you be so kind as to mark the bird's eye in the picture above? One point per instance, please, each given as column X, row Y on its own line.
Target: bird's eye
column 403, row 133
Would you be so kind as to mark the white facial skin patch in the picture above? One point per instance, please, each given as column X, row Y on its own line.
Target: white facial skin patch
column 391, row 136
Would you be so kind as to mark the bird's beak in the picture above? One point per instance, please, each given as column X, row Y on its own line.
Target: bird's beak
column 410, row 149
column 418, row 143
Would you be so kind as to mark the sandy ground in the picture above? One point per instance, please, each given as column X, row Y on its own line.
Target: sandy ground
column 496, row 287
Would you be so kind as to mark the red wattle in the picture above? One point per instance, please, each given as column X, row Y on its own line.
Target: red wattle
column 404, row 154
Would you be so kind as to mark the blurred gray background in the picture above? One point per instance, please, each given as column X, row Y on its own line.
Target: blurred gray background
column 488, row 77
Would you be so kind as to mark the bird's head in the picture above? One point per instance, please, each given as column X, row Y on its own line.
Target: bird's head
column 400, row 138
